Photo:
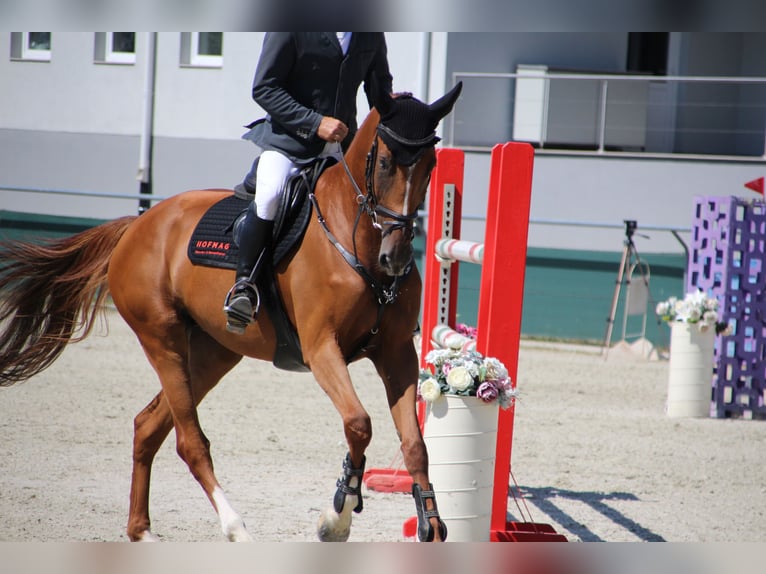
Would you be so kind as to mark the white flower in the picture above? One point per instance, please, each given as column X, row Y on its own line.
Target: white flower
column 507, row 394
column 710, row 317
column 459, row 379
column 495, row 369
column 693, row 314
column 429, row 390
column 437, row 357
column 473, row 370
column 663, row 308
column 696, row 297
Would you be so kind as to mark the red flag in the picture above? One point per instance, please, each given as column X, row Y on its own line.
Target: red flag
column 756, row 185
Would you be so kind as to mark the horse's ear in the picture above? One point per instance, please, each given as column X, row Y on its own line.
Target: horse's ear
column 381, row 99
column 443, row 105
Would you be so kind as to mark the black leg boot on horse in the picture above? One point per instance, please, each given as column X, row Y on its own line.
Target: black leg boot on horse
column 243, row 300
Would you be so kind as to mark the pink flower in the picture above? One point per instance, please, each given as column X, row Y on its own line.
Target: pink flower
column 466, row 330
column 487, row 391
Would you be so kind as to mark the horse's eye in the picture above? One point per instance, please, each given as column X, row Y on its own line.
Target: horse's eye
column 384, row 163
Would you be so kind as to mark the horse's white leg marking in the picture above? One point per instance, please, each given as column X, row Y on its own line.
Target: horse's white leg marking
column 147, row 536
column 334, row 527
column 231, row 522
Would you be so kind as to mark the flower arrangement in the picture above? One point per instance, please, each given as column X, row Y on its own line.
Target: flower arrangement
column 466, row 373
column 696, row 308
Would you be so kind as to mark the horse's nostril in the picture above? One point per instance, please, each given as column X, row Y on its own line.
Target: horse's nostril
column 384, row 260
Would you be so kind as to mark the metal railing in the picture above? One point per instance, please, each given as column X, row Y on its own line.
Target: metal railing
column 101, row 194
column 696, row 117
column 674, row 230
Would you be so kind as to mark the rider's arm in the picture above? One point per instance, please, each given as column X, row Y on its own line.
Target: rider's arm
column 277, row 60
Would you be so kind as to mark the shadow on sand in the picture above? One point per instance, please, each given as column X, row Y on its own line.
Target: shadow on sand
column 547, row 500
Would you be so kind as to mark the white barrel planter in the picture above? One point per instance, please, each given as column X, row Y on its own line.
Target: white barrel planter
column 461, row 437
column 690, row 379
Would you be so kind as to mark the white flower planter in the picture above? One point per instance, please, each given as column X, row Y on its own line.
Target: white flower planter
column 690, row 377
column 461, row 437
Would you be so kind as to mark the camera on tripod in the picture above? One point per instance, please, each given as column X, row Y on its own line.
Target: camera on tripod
column 637, row 295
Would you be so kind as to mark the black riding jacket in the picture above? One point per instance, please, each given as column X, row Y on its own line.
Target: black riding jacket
column 303, row 76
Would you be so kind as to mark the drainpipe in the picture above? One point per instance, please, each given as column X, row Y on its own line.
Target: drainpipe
column 425, row 65
column 424, row 87
column 144, row 175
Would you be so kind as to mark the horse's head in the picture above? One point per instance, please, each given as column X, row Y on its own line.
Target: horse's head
column 399, row 167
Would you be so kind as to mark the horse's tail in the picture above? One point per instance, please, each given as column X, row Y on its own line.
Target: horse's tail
column 50, row 295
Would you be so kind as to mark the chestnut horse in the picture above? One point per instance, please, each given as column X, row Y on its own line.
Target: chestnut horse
column 349, row 289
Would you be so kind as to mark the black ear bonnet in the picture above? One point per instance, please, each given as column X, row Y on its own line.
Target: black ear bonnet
column 408, row 128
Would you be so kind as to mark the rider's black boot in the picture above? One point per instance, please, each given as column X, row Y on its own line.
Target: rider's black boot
column 243, row 300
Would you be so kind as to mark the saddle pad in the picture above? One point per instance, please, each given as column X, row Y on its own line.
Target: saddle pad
column 211, row 243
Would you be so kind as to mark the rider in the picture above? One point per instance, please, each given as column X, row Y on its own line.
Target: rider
column 307, row 83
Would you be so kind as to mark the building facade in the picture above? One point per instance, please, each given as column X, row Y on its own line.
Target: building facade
column 626, row 126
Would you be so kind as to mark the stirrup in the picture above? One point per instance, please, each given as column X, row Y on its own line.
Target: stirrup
column 241, row 306
column 345, row 488
column 425, row 530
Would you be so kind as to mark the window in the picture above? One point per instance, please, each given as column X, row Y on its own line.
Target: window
column 33, row 46
column 115, row 48
column 202, row 49
column 648, row 52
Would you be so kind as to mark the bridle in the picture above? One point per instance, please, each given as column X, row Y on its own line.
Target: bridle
column 368, row 204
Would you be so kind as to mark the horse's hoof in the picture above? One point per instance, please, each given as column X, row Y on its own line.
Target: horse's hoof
column 331, row 529
column 239, row 535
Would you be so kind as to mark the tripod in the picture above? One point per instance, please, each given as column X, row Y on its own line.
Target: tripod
column 629, row 255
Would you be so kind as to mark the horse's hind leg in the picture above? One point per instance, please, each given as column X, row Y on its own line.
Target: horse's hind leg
column 207, row 363
column 150, row 428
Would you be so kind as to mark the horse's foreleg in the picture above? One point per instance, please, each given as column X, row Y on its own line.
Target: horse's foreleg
column 399, row 372
column 331, row 373
column 430, row 525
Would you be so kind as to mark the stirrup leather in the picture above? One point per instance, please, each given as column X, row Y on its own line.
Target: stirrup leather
column 344, row 488
column 425, row 530
column 241, row 306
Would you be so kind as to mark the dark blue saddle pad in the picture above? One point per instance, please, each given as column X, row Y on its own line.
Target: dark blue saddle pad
column 211, row 243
